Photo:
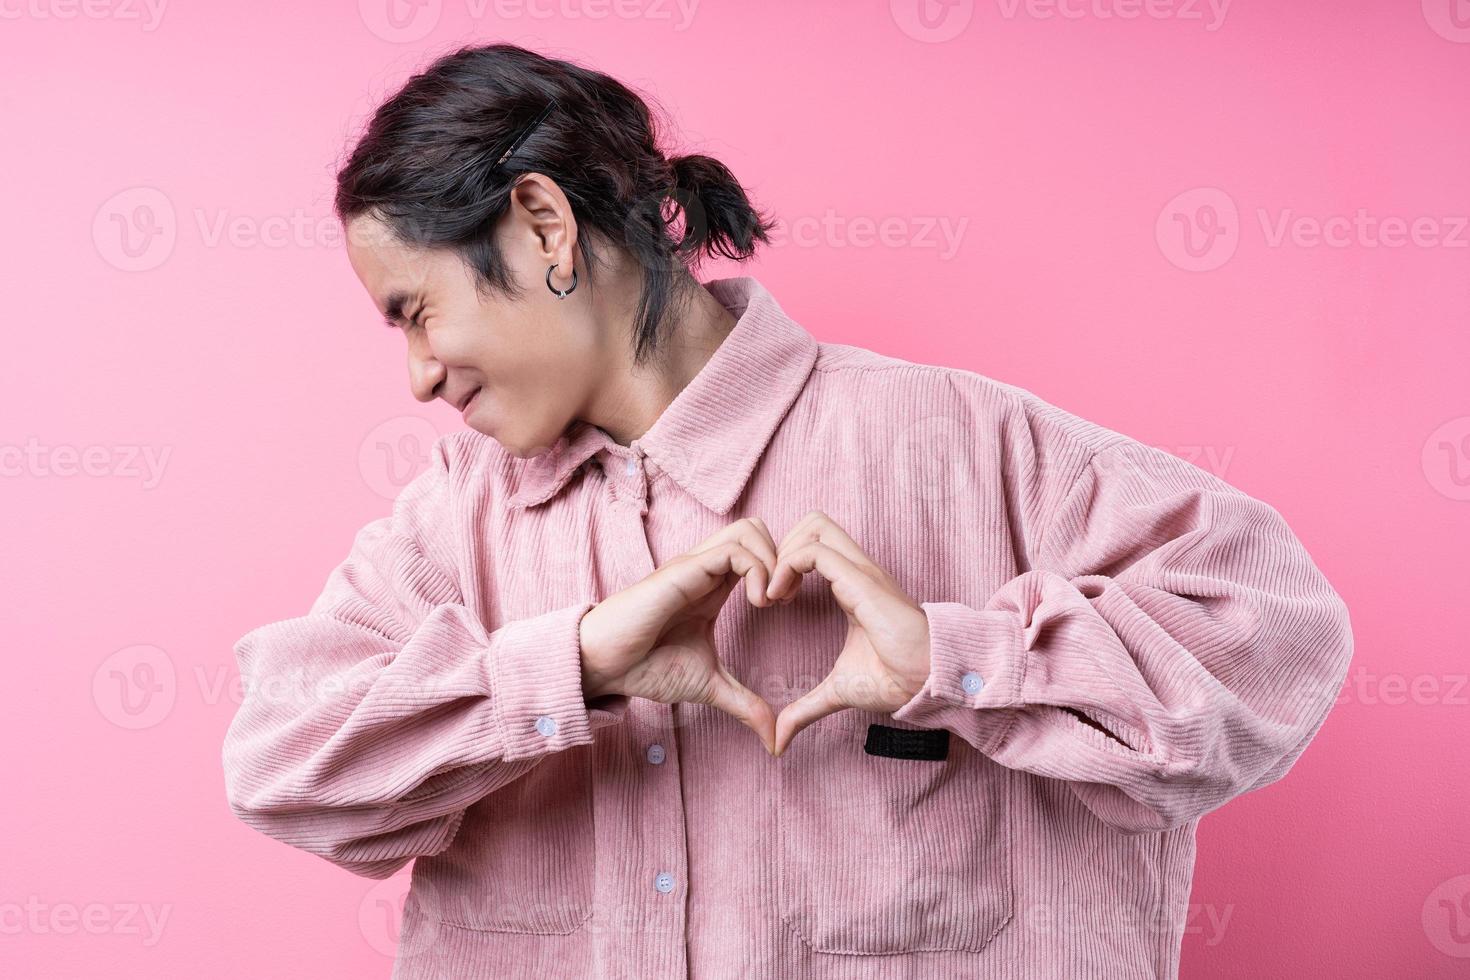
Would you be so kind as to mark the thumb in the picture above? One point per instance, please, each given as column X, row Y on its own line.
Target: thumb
column 745, row 706
column 815, row 704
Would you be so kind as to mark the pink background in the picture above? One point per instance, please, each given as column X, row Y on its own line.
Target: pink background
column 198, row 409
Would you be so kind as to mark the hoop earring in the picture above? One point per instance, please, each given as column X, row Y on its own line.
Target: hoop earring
column 561, row 293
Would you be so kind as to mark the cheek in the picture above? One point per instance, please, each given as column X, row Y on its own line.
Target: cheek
column 457, row 348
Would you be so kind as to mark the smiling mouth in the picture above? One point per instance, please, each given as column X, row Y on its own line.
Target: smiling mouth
column 471, row 400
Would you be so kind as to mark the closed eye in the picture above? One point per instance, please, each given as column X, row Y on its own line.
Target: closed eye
column 393, row 309
column 393, row 323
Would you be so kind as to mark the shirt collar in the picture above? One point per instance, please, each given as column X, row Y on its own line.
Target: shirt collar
column 711, row 435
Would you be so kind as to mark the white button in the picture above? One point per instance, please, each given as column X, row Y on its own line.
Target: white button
column 546, row 725
column 972, row 683
column 632, row 466
column 655, row 753
column 664, row 882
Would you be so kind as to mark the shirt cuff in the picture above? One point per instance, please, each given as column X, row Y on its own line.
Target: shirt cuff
column 534, row 669
column 977, row 662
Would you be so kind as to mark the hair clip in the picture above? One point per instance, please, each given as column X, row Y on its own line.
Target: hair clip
column 526, row 133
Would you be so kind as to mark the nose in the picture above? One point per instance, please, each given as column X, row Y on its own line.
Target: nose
column 425, row 375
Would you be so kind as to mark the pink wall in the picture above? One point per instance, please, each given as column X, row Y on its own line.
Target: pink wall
column 195, row 398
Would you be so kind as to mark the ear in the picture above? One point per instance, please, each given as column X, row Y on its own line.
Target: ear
column 539, row 208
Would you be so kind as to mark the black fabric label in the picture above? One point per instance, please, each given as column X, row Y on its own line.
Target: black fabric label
column 907, row 743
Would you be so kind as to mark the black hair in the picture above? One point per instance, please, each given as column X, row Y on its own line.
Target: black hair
column 426, row 167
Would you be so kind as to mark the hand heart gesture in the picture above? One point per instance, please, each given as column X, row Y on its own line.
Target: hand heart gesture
column 885, row 659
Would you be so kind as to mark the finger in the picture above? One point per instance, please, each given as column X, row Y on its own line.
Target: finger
column 851, row 585
column 732, row 556
column 752, row 533
column 815, row 704
column 756, row 583
column 744, row 562
column 711, row 574
column 817, row 526
column 798, row 528
column 757, row 537
column 744, row 705
column 734, row 531
column 785, row 590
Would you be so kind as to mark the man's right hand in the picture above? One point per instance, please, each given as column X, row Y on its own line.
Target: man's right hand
column 655, row 639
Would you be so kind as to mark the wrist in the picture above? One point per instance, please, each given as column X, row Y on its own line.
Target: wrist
column 595, row 683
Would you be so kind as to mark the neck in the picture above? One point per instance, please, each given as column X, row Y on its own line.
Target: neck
column 630, row 398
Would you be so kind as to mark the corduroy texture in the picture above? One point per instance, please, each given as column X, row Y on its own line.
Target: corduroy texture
column 1146, row 641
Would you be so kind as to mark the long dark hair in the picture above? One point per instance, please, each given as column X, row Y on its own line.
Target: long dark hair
column 426, row 167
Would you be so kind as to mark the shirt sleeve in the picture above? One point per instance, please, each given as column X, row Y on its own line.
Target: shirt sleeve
column 368, row 725
column 1170, row 646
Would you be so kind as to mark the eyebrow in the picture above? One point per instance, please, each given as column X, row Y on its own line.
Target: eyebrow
column 393, row 312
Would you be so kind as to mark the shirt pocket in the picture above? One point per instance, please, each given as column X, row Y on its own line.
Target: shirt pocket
column 523, row 859
column 892, row 855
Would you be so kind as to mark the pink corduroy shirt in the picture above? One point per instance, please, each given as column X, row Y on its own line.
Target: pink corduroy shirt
column 1120, row 642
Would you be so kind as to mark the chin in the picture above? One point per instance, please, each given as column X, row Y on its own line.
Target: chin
column 518, row 447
